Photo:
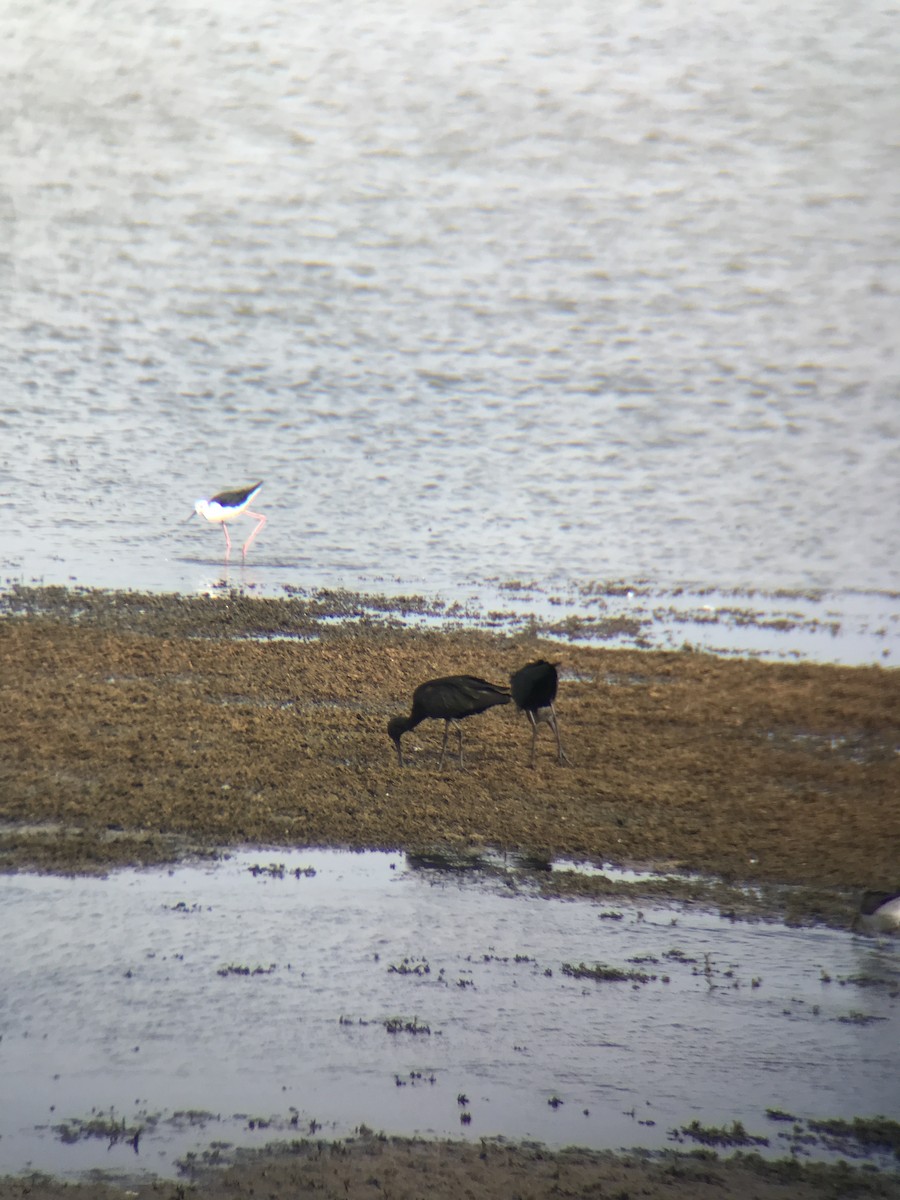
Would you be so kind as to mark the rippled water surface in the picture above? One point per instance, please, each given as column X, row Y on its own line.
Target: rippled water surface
column 252, row 1001
column 480, row 291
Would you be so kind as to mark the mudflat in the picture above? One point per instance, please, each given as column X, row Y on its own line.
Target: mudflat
column 414, row 1169
column 129, row 722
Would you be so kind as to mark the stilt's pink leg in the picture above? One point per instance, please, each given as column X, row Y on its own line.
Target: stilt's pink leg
column 227, row 542
column 256, row 517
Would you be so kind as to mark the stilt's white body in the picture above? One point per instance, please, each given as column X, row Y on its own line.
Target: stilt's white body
column 213, row 511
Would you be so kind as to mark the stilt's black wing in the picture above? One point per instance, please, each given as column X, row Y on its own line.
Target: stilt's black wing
column 238, row 497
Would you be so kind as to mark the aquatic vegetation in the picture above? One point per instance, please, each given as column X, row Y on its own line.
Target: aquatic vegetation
column 867, row 1131
column 712, row 1135
column 601, row 973
column 404, row 1025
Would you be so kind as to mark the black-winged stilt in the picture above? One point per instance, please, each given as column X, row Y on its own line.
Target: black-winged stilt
column 448, row 699
column 225, row 507
column 534, row 688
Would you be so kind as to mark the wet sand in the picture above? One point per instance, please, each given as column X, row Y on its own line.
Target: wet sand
column 139, row 729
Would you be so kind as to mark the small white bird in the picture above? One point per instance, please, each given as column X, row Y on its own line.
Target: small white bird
column 225, row 507
column 879, row 912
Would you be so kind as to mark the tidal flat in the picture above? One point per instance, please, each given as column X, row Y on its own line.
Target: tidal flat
column 151, row 730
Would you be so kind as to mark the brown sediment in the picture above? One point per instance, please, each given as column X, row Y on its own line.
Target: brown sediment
column 132, row 728
column 412, row 1169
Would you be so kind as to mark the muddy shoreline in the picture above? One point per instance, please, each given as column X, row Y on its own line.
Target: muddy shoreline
column 139, row 728
column 145, row 729
column 413, row 1169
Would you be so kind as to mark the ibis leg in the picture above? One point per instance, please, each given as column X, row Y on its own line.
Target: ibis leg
column 561, row 755
column 534, row 725
column 444, row 744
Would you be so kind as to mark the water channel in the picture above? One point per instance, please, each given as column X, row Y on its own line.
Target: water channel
column 283, row 994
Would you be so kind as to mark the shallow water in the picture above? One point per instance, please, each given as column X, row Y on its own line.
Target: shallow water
column 125, row 994
column 851, row 628
column 481, row 292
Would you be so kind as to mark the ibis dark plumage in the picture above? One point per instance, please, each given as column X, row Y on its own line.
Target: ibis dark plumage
column 451, row 698
column 534, row 688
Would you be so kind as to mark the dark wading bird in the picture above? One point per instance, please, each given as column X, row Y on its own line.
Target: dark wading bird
column 225, row 507
column 533, row 689
column 449, row 699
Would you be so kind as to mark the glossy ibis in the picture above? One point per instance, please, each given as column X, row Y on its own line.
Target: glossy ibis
column 228, row 505
column 451, row 698
column 533, row 689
